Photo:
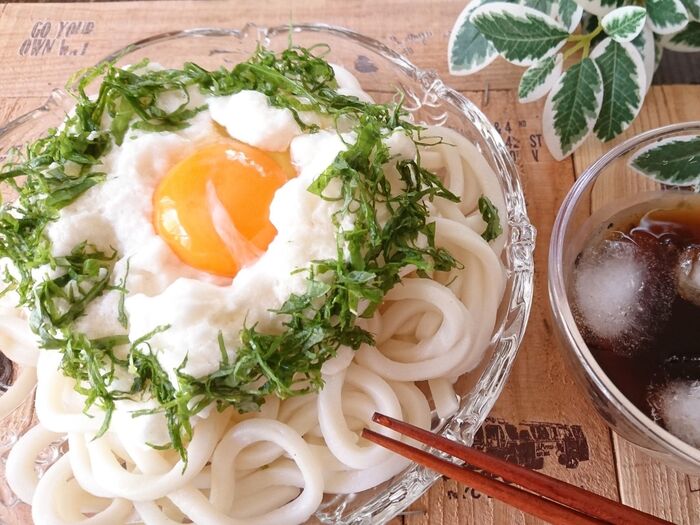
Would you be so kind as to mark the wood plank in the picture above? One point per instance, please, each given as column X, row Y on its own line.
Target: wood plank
column 648, row 484
column 645, row 482
column 37, row 53
column 540, row 388
column 13, row 107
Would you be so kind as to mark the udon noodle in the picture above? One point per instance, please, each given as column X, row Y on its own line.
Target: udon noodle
column 274, row 466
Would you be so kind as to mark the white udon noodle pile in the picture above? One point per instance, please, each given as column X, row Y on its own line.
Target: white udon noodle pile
column 274, row 466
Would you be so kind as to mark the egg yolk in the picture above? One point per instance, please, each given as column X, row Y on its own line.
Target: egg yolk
column 212, row 208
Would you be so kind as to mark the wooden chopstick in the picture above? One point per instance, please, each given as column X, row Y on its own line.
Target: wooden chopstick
column 525, row 501
column 547, row 498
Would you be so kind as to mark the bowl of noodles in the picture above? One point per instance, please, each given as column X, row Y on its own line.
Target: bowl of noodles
column 222, row 251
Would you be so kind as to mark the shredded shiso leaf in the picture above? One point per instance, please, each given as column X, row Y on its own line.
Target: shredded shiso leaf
column 58, row 168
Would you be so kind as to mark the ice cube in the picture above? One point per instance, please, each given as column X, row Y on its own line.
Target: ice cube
column 622, row 294
column 607, row 282
column 689, row 274
column 677, row 405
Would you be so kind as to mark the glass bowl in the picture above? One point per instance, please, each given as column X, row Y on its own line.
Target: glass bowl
column 607, row 186
column 381, row 72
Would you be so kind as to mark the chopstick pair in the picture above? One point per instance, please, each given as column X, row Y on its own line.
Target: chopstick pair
column 545, row 497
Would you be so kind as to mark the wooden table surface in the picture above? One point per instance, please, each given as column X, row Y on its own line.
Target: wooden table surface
column 42, row 44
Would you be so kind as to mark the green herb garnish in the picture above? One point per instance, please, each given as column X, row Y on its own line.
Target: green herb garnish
column 59, row 168
column 489, row 213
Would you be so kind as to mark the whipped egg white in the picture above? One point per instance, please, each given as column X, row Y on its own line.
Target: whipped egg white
column 163, row 291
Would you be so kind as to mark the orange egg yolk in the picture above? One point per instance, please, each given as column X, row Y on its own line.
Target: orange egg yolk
column 212, row 208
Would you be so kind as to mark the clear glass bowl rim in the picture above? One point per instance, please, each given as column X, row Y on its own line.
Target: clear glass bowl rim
column 564, row 318
column 519, row 247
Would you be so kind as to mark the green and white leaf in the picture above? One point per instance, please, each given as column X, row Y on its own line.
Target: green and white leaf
column 468, row 51
column 539, row 78
column 685, row 41
column 572, row 108
column 666, row 16
column 624, row 86
column 644, row 42
column 521, row 34
column 693, row 8
column 569, row 13
column 658, row 51
column 598, row 7
column 543, row 6
column 624, row 23
column 675, row 160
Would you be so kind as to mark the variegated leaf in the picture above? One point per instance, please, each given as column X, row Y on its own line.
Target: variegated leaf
column 666, row 16
column 658, row 51
column 693, row 8
column 675, row 160
column 646, row 47
column 468, row 51
column 521, row 34
column 598, row 7
column 569, row 13
column 572, row 108
column 624, row 23
column 543, row 6
column 539, row 78
column 686, row 41
column 624, row 83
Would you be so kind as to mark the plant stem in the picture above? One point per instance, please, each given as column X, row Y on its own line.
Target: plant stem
column 587, row 45
column 582, row 42
column 573, row 49
column 586, row 49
